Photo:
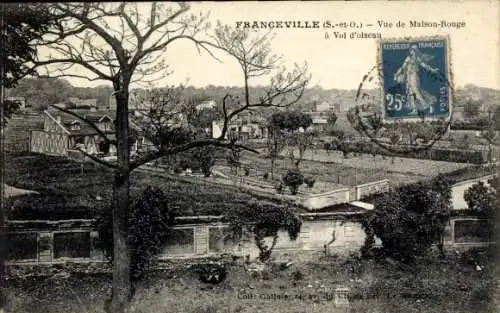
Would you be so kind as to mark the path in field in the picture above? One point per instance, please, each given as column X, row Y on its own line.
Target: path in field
column 13, row 191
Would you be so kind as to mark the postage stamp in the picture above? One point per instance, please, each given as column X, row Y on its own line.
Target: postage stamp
column 415, row 77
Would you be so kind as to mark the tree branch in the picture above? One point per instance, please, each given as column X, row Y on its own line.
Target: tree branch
column 194, row 144
column 97, row 160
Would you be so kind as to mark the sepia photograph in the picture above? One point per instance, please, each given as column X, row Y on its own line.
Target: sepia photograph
column 250, row 157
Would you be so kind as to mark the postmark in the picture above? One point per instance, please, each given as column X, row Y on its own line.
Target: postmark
column 408, row 93
column 415, row 75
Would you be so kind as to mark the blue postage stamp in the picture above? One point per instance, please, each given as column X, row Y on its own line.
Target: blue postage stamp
column 415, row 77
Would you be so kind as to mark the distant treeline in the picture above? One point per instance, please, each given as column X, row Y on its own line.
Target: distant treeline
column 40, row 92
column 433, row 153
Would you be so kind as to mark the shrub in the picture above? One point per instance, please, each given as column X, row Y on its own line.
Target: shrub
column 247, row 171
column 149, row 220
column 293, row 179
column 265, row 176
column 279, row 188
column 212, row 273
column 297, row 275
column 263, row 220
column 411, row 218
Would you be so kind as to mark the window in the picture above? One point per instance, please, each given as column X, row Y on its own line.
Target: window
column 473, row 231
column 22, row 246
column 219, row 239
column 180, row 241
column 72, row 245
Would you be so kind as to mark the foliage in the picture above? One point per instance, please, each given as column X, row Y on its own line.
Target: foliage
column 309, row 181
column 264, row 220
column 464, row 142
column 330, row 121
column 471, row 108
column 275, row 143
column 411, row 218
column 211, row 273
column 149, row 220
column 21, row 24
column 300, row 141
column 197, row 159
column 293, row 179
column 290, row 120
column 9, row 108
column 482, row 198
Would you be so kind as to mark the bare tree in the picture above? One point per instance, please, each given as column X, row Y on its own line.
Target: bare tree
column 490, row 134
column 254, row 54
column 124, row 43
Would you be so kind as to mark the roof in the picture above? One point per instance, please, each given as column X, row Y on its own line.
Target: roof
column 85, row 129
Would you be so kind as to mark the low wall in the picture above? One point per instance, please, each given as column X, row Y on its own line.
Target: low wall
column 320, row 234
column 319, row 201
column 371, row 188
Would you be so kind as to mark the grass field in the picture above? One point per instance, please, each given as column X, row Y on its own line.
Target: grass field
column 65, row 191
column 431, row 286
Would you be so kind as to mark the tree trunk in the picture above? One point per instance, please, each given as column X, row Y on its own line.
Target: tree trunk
column 272, row 168
column 121, row 258
column 3, row 254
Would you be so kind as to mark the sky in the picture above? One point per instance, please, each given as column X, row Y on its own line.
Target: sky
column 341, row 63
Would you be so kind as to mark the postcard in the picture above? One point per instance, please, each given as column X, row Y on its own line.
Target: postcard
column 241, row 157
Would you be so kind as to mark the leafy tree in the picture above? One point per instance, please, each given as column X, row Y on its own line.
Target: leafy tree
column 301, row 141
column 149, row 221
column 411, row 218
column 290, row 121
column 330, row 121
column 472, row 108
column 482, row 198
column 463, row 142
column 275, row 144
column 490, row 134
column 21, row 23
column 293, row 179
column 264, row 220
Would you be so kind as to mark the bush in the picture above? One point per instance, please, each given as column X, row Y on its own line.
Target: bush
column 309, row 182
column 212, row 273
column 149, row 221
column 410, row 219
column 297, row 275
column 293, row 179
column 247, row 171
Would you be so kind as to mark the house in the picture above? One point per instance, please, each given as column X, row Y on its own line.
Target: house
column 77, row 103
column 208, row 104
column 249, row 129
column 21, row 101
column 63, row 133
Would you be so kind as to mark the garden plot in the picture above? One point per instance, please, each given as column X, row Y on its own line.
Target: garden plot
column 339, row 174
column 400, row 165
